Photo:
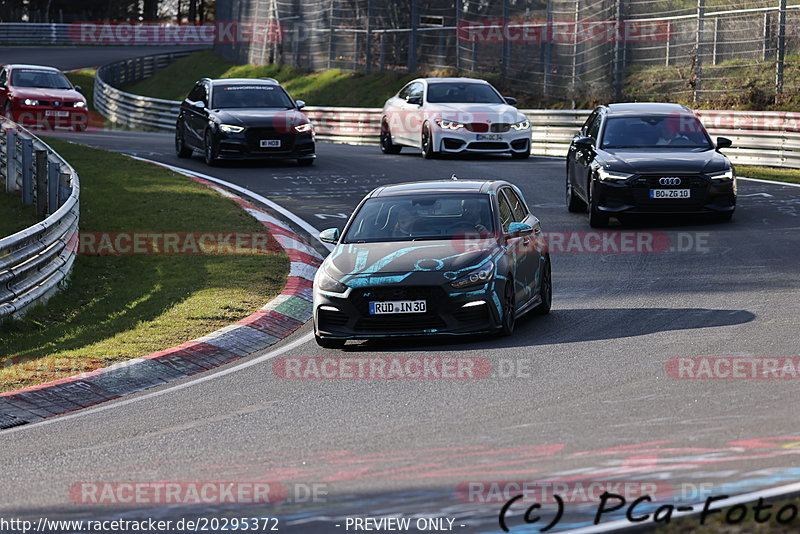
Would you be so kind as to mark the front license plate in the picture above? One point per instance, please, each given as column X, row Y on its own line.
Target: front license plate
column 490, row 137
column 50, row 113
column 398, row 306
column 270, row 143
column 670, row 193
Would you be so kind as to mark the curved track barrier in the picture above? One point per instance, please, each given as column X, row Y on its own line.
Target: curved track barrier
column 35, row 262
column 769, row 138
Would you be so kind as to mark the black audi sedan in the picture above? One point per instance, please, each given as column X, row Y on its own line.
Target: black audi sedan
column 648, row 158
column 243, row 118
column 432, row 258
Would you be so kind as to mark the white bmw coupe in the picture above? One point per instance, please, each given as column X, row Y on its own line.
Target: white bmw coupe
column 454, row 115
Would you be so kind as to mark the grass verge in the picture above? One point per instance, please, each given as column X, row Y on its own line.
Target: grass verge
column 769, row 173
column 14, row 216
column 333, row 87
column 118, row 307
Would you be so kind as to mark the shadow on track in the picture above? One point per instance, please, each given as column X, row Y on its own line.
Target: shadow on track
column 569, row 326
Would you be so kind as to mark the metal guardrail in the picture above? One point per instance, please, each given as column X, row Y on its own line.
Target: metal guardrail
column 759, row 137
column 59, row 33
column 35, row 262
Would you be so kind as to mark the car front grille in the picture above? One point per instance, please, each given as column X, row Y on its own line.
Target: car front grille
column 488, row 145
column 331, row 319
column 411, row 322
column 400, row 323
column 500, row 127
column 477, row 127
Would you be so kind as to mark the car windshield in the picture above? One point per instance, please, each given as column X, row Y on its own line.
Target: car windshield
column 655, row 131
column 44, row 79
column 421, row 217
column 250, row 96
column 463, row 93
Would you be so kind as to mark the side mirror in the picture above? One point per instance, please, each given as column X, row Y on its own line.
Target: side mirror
column 416, row 100
column 724, row 142
column 198, row 105
column 79, row 88
column 584, row 143
column 516, row 229
column 331, row 235
column 510, row 100
column 300, row 104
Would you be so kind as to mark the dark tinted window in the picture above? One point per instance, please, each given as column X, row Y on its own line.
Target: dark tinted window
column 506, row 213
column 463, row 93
column 589, row 121
column 420, row 217
column 682, row 130
column 251, row 96
column 46, row 79
column 415, row 90
column 197, row 94
column 404, row 92
column 594, row 128
column 3, row 76
column 517, row 206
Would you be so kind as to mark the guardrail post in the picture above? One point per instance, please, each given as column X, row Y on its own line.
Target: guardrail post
column 40, row 183
column 53, row 171
column 27, row 171
column 64, row 186
column 11, row 161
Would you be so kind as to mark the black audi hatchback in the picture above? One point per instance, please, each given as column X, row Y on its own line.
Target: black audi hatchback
column 648, row 158
column 243, row 118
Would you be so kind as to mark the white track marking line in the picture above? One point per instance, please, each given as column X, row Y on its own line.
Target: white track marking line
column 277, row 207
column 206, row 377
column 790, row 184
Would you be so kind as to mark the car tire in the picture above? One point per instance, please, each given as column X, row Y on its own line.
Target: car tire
column 597, row 219
column 306, row 162
column 426, row 144
column 387, row 147
column 508, row 320
column 328, row 343
column 545, row 290
column 209, row 151
column 574, row 203
column 181, row 150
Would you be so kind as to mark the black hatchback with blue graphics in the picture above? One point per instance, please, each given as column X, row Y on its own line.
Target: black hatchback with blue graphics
column 438, row 257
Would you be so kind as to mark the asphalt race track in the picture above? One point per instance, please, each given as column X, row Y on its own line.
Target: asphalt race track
column 585, row 394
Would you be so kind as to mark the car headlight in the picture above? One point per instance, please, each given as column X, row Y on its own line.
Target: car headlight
column 447, row 124
column 302, row 128
column 327, row 283
column 30, row 102
column 478, row 276
column 723, row 175
column 522, row 125
column 79, row 104
column 230, row 128
column 605, row 175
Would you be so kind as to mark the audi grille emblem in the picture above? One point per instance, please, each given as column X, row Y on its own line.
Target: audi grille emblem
column 670, row 180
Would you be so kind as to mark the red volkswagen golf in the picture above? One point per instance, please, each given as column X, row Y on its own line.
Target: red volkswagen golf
column 42, row 96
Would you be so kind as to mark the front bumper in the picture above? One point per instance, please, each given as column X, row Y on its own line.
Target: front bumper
column 450, row 311
column 462, row 140
column 47, row 117
column 632, row 196
column 246, row 145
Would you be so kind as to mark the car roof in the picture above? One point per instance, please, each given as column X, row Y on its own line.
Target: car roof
column 454, row 80
column 25, row 66
column 638, row 108
column 438, row 186
column 245, row 81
